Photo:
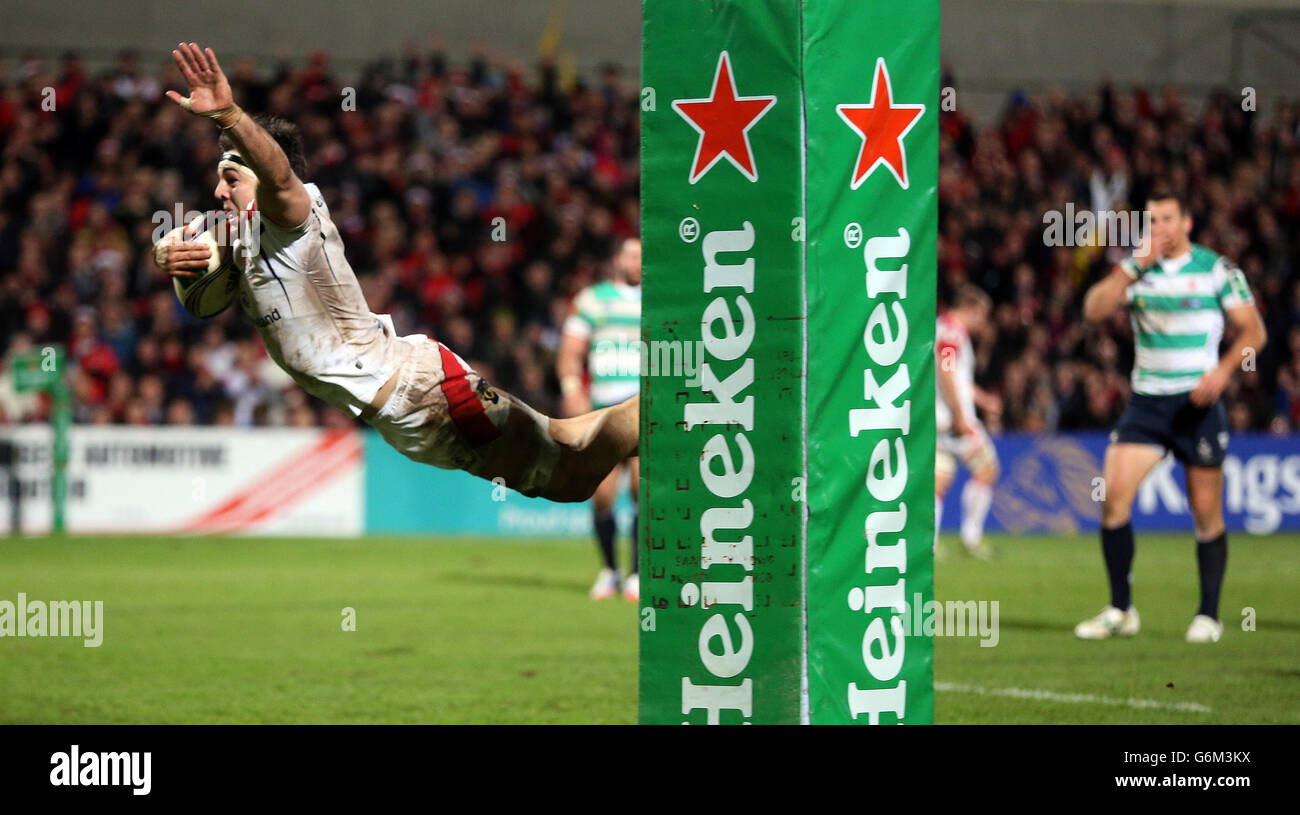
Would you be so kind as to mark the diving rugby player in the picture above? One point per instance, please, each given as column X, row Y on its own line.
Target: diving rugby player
column 298, row 289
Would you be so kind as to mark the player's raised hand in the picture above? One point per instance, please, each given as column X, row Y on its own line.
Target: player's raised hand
column 210, row 93
column 1148, row 252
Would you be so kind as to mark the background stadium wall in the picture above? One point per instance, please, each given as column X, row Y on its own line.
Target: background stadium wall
column 158, row 480
column 1050, row 483
column 1002, row 43
column 403, row 497
column 196, row 480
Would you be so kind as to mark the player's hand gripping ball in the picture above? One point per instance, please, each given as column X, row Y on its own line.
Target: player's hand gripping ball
column 209, row 291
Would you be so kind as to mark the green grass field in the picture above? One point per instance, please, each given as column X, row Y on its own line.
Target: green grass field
column 461, row 631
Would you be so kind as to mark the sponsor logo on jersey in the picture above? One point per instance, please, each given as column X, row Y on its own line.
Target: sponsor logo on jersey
column 267, row 319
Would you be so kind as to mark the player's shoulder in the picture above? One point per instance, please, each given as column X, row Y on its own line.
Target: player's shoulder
column 605, row 295
column 316, row 211
column 586, row 303
column 1205, row 259
column 949, row 331
column 600, row 290
column 951, row 325
column 315, row 196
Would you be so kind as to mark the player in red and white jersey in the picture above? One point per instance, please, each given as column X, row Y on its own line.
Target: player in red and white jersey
column 302, row 296
column 959, row 434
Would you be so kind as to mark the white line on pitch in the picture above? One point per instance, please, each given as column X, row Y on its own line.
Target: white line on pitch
column 1071, row 698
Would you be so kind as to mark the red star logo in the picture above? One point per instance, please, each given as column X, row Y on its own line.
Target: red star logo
column 723, row 121
column 882, row 126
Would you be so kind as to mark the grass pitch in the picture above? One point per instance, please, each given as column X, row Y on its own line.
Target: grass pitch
column 239, row 630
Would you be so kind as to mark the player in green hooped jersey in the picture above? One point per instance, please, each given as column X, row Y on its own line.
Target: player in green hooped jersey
column 1177, row 293
column 604, row 330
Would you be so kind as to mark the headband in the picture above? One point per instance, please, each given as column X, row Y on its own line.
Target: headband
column 231, row 160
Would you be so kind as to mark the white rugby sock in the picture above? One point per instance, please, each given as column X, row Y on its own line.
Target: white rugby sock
column 975, row 501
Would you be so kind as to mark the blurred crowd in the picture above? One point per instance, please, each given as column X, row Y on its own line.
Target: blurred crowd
column 1239, row 172
column 476, row 198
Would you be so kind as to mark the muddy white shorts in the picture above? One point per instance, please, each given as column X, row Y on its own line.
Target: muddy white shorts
column 976, row 451
column 441, row 412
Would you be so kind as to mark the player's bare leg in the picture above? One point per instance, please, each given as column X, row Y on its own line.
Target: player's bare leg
column 590, row 446
column 602, row 500
column 579, row 453
column 1205, row 496
column 945, row 469
column 632, row 584
column 1126, row 465
column 607, row 581
column 976, row 498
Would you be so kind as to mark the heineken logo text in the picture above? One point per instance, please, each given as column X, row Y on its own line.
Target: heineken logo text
column 886, row 384
column 727, row 328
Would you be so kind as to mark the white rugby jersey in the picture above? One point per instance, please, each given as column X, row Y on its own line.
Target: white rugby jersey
column 305, row 301
column 954, row 348
column 1176, row 308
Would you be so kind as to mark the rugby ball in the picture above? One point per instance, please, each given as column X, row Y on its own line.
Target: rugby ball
column 214, row 290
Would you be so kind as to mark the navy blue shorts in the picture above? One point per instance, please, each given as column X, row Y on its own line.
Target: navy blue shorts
column 1197, row 436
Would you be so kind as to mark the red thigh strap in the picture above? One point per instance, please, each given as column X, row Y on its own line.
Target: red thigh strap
column 466, row 409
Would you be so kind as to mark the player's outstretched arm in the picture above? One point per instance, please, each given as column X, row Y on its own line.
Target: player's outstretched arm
column 281, row 197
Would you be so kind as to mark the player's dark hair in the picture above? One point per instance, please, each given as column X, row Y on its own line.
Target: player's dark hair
column 1168, row 194
column 286, row 134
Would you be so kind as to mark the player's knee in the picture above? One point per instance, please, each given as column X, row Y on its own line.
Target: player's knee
column 1116, row 510
column 988, row 475
column 942, row 481
column 1210, row 531
column 1208, row 522
column 603, row 496
column 1114, row 513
